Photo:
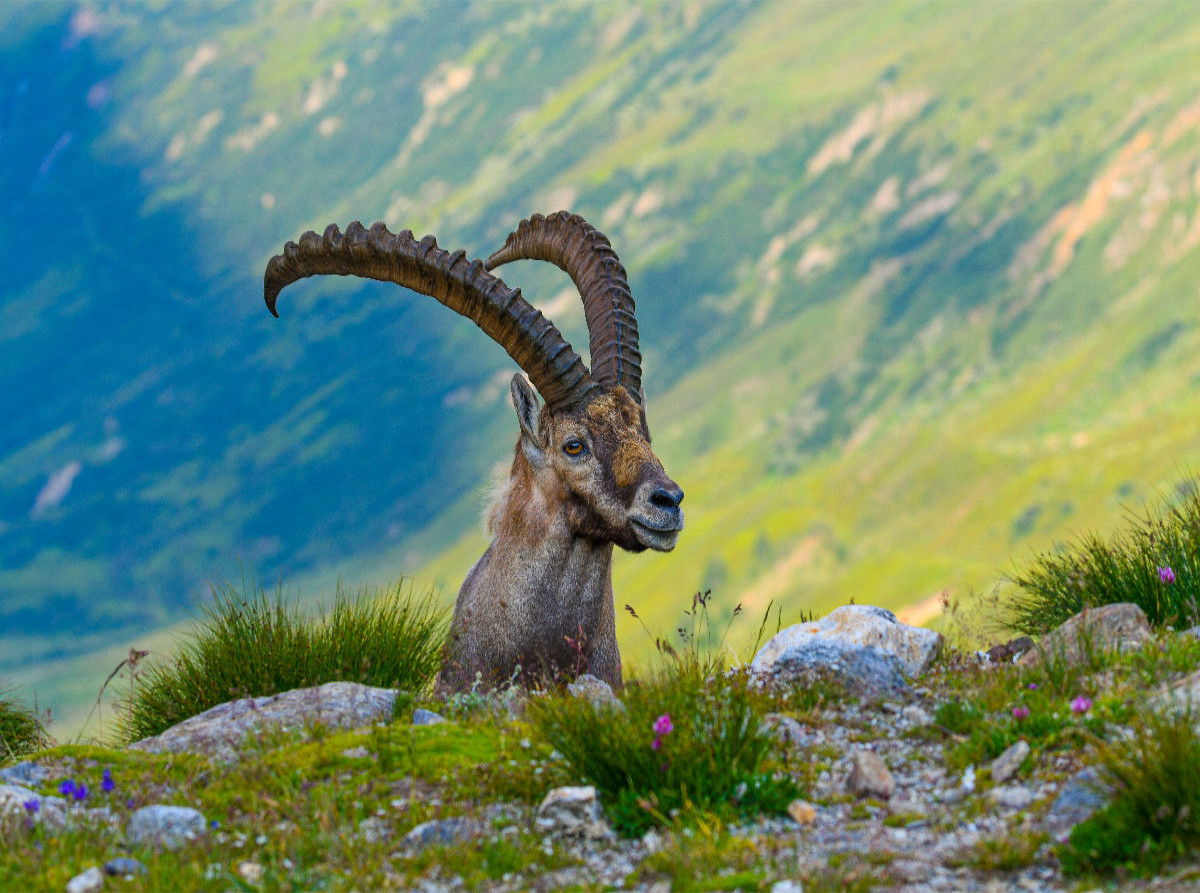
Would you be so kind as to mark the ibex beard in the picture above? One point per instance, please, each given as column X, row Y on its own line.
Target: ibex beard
column 584, row 477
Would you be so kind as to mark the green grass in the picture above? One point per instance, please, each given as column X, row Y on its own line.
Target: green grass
column 21, row 730
column 248, row 645
column 1154, row 816
column 1154, row 563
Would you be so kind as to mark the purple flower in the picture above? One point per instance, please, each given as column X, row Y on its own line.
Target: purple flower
column 67, row 788
column 1033, row 686
column 1081, row 704
column 1165, row 574
column 106, row 782
column 80, row 791
column 32, row 806
column 1021, row 712
column 656, row 743
column 662, row 725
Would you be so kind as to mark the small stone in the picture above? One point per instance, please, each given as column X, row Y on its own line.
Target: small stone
column 374, row 829
column 652, row 841
column 440, row 831
column 802, row 812
column 787, row 886
column 869, row 776
column 423, row 717
column 597, row 691
column 571, row 810
column 784, row 728
column 167, row 826
column 915, row 715
column 91, row 881
column 250, row 872
column 356, row 753
column 1009, row 763
column 1011, row 796
column 124, row 866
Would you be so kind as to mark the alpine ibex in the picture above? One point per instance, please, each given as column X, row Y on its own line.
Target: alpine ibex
column 583, row 475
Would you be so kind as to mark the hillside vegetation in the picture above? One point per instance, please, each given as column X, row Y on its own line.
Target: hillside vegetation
column 917, row 287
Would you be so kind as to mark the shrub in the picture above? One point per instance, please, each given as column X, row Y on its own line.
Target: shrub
column 1155, row 564
column 21, row 732
column 1154, row 815
column 247, row 645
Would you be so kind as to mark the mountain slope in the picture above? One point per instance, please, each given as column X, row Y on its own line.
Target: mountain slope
column 916, row 283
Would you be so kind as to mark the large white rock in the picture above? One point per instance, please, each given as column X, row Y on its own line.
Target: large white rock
column 571, row 810
column 221, row 732
column 856, row 626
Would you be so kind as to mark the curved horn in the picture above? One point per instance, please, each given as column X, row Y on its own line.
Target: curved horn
column 532, row 340
column 582, row 251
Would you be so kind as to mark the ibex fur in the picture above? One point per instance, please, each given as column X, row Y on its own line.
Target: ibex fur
column 583, row 477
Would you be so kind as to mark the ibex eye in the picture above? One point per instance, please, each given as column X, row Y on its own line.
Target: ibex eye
column 573, row 447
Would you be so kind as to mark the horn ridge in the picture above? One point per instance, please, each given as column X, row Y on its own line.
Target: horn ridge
column 533, row 341
column 587, row 256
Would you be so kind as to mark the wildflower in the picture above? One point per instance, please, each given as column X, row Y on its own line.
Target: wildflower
column 1033, row 686
column 106, row 782
column 1021, row 712
column 1165, row 574
column 656, row 743
column 80, row 791
column 67, row 788
column 32, row 806
column 1081, row 704
column 662, row 725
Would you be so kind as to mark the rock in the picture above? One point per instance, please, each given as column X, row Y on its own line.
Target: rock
column 1009, row 651
column 374, row 829
column 91, row 881
column 784, row 728
column 1011, row 796
column 221, row 731
column 1008, row 763
column 440, row 831
column 356, row 753
column 869, row 776
column 1180, row 697
column 166, row 826
column 863, row 671
column 423, row 717
column 250, row 872
column 595, row 690
column 24, row 773
column 863, row 626
column 1194, row 632
column 123, row 866
column 787, row 886
column 571, row 811
column 1080, row 797
column 1120, row 627
column 915, row 715
column 802, row 812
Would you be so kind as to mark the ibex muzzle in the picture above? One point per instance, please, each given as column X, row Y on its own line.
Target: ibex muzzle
column 584, row 477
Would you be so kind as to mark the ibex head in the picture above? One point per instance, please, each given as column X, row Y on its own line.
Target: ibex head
column 584, row 472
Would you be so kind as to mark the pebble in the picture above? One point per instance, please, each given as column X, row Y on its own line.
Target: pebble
column 91, row 881
column 124, row 866
column 423, row 717
column 1009, row 763
column 869, row 776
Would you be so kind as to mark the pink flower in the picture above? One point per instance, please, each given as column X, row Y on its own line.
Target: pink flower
column 1166, row 575
column 1081, row 704
column 656, row 743
column 1033, row 686
column 1021, row 712
column 662, row 725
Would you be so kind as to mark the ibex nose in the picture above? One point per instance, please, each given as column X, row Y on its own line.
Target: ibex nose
column 667, row 498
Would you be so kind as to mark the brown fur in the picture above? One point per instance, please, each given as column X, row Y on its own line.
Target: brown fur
column 541, row 595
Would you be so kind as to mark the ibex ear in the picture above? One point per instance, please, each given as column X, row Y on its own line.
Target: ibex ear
column 526, row 403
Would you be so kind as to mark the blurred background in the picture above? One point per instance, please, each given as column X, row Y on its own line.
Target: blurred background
column 917, row 285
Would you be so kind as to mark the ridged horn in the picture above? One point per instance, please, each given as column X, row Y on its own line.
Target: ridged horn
column 464, row 286
column 585, row 254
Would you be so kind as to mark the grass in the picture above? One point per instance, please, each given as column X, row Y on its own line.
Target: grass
column 21, row 731
column 249, row 645
column 688, row 741
column 1154, row 815
column 1154, row 563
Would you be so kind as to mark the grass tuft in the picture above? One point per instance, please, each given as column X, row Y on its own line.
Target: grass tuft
column 1154, row 564
column 1154, row 815
column 249, row 645
column 21, row 732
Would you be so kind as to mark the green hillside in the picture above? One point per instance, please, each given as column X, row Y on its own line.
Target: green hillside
column 917, row 286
